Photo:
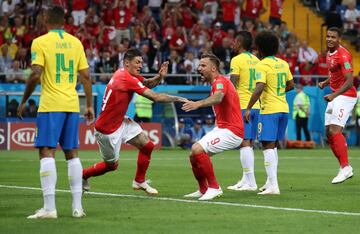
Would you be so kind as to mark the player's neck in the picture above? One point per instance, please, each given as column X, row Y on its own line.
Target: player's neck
column 332, row 50
column 54, row 27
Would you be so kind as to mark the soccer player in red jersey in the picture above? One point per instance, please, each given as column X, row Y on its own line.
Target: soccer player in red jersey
column 340, row 102
column 113, row 128
column 228, row 134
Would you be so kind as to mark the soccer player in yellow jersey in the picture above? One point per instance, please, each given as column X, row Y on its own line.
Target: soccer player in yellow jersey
column 57, row 57
column 242, row 71
column 273, row 80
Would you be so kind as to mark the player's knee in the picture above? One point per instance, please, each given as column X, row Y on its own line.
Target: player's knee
column 148, row 148
column 196, row 149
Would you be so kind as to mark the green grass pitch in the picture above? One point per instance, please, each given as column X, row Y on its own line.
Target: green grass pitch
column 316, row 206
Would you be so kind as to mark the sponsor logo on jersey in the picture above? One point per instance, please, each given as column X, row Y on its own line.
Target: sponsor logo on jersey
column 347, row 65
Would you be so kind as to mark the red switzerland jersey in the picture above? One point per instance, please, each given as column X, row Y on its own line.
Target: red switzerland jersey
column 117, row 96
column 339, row 63
column 276, row 8
column 228, row 111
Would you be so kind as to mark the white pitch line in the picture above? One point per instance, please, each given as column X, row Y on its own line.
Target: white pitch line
column 198, row 202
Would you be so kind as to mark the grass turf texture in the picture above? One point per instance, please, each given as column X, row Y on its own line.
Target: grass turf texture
column 304, row 178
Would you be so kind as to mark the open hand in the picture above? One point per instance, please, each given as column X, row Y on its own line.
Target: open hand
column 89, row 115
column 329, row 97
column 247, row 116
column 190, row 105
column 20, row 110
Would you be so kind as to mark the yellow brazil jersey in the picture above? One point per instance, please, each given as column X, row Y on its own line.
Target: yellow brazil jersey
column 274, row 72
column 61, row 55
column 243, row 65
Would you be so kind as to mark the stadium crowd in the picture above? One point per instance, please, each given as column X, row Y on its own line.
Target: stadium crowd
column 174, row 30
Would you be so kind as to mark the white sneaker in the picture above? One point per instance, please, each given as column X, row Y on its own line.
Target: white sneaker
column 43, row 214
column 344, row 174
column 196, row 194
column 238, row 185
column 86, row 185
column 210, row 194
column 144, row 186
column 78, row 213
column 270, row 191
column 247, row 187
column 265, row 186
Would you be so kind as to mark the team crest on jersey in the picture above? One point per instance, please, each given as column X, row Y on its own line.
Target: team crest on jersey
column 258, row 76
column 219, row 86
column 347, row 65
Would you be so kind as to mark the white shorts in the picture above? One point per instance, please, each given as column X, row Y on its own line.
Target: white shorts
column 109, row 145
column 338, row 110
column 218, row 140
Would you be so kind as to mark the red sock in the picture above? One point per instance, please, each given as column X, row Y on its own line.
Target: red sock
column 143, row 161
column 332, row 147
column 99, row 168
column 199, row 175
column 339, row 146
column 207, row 168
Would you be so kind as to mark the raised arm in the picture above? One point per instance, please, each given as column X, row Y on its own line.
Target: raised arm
column 152, row 82
column 33, row 80
column 216, row 98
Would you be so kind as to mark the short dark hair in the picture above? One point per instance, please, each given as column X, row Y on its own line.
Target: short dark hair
column 246, row 39
column 335, row 29
column 56, row 15
column 131, row 54
column 213, row 59
column 267, row 43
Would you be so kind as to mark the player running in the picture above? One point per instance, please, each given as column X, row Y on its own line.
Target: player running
column 227, row 135
column 113, row 128
column 273, row 80
column 243, row 78
column 340, row 102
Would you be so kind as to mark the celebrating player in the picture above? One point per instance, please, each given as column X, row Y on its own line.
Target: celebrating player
column 227, row 135
column 113, row 128
column 57, row 57
column 340, row 102
column 243, row 78
column 273, row 80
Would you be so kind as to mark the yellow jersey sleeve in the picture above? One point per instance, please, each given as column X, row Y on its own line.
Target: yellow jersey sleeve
column 243, row 65
column 37, row 54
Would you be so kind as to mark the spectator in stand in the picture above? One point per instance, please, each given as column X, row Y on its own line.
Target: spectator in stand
column 155, row 7
column 8, row 9
column 191, row 64
column 91, row 13
column 118, row 57
column 252, row 9
column 183, row 139
column 322, row 68
column 217, row 34
column 138, row 33
column 197, row 131
column 224, row 53
column 78, row 8
column 193, row 46
column 351, row 19
column 209, row 123
column 104, row 66
column 107, row 12
column 276, row 9
column 5, row 59
column 188, row 17
column 176, row 66
column 31, row 109
column 12, row 108
column 70, row 27
column 12, row 48
column 291, row 58
column 23, row 57
column 19, row 29
column 122, row 16
column 307, row 62
column 228, row 13
column 92, row 60
column 207, row 16
column 179, row 40
column 15, row 74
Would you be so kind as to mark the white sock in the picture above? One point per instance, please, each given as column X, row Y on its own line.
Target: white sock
column 48, row 179
column 75, row 180
column 276, row 155
column 247, row 162
column 271, row 166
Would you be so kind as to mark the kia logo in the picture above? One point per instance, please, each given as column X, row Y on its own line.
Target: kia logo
column 24, row 136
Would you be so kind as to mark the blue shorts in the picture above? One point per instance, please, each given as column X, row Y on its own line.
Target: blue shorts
column 272, row 127
column 57, row 127
column 251, row 128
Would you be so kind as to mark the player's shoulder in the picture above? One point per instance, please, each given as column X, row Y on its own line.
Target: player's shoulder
column 343, row 51
column 41, row 38
column 72, row 38
column 237, row 59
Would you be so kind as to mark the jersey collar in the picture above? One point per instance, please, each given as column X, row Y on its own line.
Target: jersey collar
column 58, row 31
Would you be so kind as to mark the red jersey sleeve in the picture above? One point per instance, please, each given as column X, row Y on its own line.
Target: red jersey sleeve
column 134, row 84
column 219, row 85
column 346, row 63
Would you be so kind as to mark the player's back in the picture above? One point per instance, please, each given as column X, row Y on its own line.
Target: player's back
column 117, row 96
column 61, row 55
column 228, row 111
column 243, row 65
column 274, row 72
